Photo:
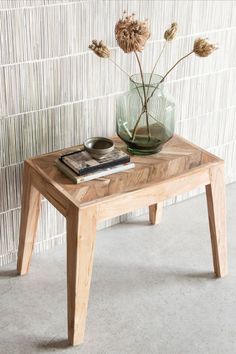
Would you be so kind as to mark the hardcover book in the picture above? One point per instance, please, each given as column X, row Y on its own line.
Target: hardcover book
column 82, row 163
column 97, row 174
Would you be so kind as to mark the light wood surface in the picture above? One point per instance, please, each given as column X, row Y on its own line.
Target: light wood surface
column 215, row 192
column 155, row 213
column 176, row 157
column 31, row 200
column 119, row 203
column 81, row 232
column 180, row 167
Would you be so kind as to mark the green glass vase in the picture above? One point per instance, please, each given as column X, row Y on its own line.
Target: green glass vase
column 145, row 115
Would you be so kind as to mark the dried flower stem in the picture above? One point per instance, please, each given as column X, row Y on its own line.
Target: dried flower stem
column 130, row 77
column 152, row 116
column 178, row 61
column 145, row 99
column 136, row 86
column 136, row 124
column 185, row 56
column 118, row 66
column 150, row 79
column 144, row 110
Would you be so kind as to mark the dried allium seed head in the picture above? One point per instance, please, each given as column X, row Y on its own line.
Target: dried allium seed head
column 170, row 33
column 203, row 48
column 131, row 34
column 100, row 49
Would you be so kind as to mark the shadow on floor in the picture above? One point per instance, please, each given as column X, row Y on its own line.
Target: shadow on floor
column 9, row 273
column 53, row 344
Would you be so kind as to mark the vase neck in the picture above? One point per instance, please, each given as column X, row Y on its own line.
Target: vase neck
column 149, row 80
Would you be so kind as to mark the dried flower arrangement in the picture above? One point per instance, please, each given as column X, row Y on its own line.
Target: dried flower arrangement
column 132, row 35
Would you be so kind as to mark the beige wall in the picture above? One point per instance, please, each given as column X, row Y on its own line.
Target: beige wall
column 55, row 93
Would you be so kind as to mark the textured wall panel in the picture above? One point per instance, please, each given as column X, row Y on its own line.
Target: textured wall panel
column 55, row 93
column 42, row 131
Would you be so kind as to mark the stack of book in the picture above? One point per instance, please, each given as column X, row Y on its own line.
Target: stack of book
column 80, row 167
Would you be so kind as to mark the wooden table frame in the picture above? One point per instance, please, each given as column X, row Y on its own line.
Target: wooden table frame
column 82, row 219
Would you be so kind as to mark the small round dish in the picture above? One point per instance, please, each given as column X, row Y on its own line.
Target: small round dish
column 98, row 147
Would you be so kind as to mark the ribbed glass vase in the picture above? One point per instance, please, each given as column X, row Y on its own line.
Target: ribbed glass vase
column 145, row 115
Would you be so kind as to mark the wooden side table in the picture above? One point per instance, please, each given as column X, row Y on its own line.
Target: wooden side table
column 178, row 168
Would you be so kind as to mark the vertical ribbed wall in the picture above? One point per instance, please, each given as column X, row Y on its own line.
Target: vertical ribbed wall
column 55, row 93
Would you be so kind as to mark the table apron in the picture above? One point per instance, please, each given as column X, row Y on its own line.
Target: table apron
column 124, row 203
column 58, row 200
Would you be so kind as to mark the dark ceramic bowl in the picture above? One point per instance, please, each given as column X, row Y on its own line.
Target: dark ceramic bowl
column 98, row 147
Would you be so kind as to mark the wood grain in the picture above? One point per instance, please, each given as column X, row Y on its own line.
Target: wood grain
column 176, row 157
column 155, row 213
column 31, row 199
column 215, row 192
column 44, row 106
column 81, row 232
column 180, row 167
column 120, row 203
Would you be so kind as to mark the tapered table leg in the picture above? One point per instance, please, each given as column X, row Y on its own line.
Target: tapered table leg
column 30, row 208
column 215, row 193
column 81, row 233
column 155, row 213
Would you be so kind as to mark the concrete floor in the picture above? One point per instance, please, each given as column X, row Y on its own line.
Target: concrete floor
column 153, row 291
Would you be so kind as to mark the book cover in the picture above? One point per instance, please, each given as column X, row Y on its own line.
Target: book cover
column 97, row 174
column 82, row 163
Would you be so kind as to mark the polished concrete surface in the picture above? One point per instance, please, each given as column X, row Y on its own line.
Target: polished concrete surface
column 153, row 291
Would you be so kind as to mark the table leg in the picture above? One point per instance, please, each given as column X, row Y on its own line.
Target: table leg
column 81, row 233
column 30, row 208
column 215, row 192
column 155, row 213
